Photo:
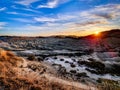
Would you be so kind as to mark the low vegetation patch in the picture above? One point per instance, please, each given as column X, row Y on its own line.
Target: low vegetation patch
column 73, row 71
column 106, row 84
column 113, row 70
column 73, row 65
column 93, row 64
column 81, row 74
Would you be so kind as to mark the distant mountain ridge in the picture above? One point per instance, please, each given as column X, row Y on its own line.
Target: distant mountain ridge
column 105, row 41
column 110, row 33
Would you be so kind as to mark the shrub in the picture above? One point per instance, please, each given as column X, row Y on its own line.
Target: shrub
column 114, row 69
column 31, row 57
column 81, row 74
column 93, row 64
column 61, row 59
column 119, row 53
column 106, row 84
column 40, row 59
column 73, row 71
column 72, row 65
column 55, row 57
column 62, row 70
column 91, row 59
column 74, row 60
column 66, row 62
column 89, row 51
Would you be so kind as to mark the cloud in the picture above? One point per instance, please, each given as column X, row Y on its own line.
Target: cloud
column 58, row 18
column 2, row 24
column 45, row 19
column 26, row 2
column 16, row 13
column 44, row 29
column 102, row 12
column 3, row 9
column 109, row 11
column 31, row 10
column 53, row 3
column 92, row 19
column 23, row 20
column 91, row 23
column 95, row 18
column 26, row 9
column 91, row 16
column 50, row 4
column 106, row 15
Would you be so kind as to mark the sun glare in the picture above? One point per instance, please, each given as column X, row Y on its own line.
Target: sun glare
column 97, row 33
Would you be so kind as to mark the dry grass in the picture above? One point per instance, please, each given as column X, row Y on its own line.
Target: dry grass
column 25, row 84
column 106, row 84
column 9, row 57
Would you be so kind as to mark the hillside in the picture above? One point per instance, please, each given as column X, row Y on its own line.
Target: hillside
column 20, row 74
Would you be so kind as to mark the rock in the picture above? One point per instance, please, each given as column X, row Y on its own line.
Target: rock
column 72, row 65
column 66, row 62
column 73, row 71
column 91, row 59
column 55, row 57
column 61, row 59
column 73, row 60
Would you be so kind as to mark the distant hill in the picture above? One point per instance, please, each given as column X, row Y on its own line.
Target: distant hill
column 109, row 33
column 107, row 40
column 105, row 34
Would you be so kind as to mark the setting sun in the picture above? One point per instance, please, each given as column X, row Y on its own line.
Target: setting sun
column 97, row 33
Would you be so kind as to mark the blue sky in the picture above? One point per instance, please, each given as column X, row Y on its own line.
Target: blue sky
column 58, row 17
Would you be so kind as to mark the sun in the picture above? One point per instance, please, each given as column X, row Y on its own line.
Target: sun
column 97, row 33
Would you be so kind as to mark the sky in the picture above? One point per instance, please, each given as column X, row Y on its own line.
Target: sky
column 58, row 17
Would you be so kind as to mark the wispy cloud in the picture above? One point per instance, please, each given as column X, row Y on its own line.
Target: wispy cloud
column 91, row 23
column 23, row 20
column 16, row 13
column 26, row 2
column 44, row 29
column 50, row 4
column 31, row 10
column 45, row 19
column 2, row 24
column 3, row 9
column 57, row 18
column 53, row 3
column 109, row 11
column 26, row 9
